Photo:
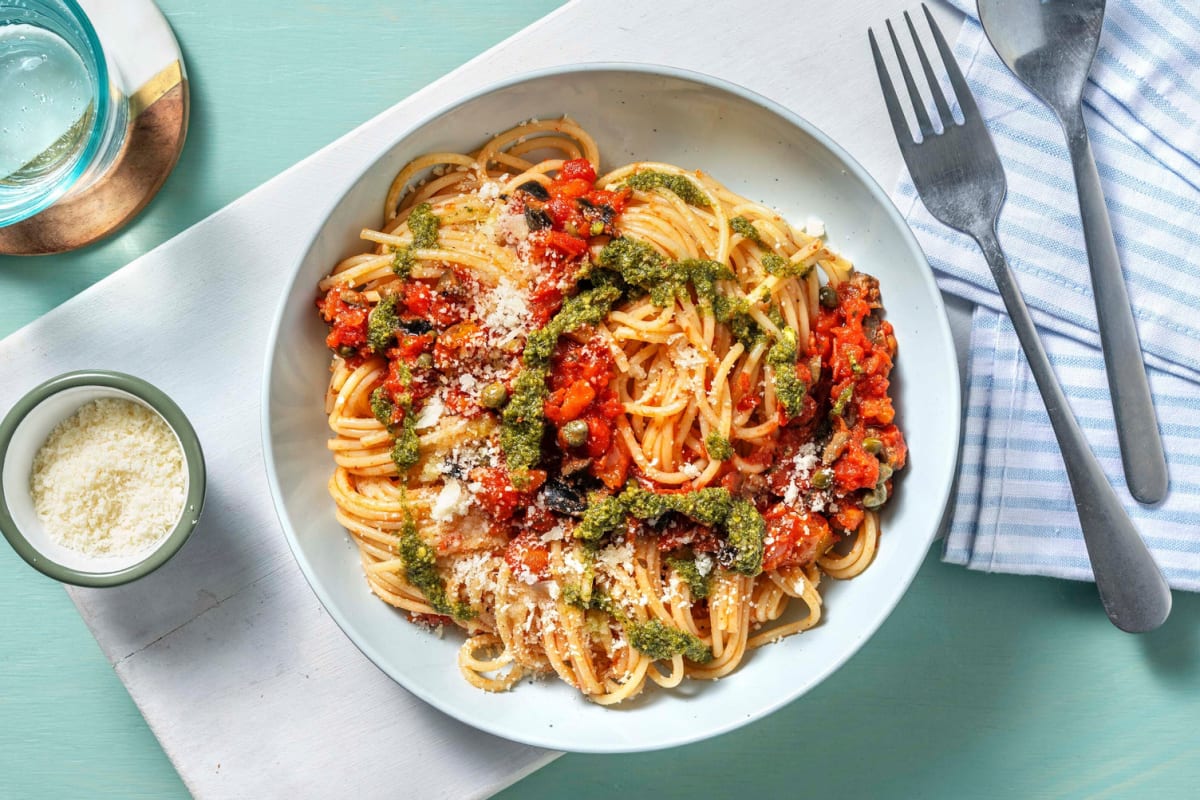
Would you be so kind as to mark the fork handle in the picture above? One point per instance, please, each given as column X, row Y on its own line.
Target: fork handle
column 1137, row 426
column 1132, row 589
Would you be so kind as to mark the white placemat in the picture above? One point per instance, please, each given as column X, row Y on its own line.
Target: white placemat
column 250, row 687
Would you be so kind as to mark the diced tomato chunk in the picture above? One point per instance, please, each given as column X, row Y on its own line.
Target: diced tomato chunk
column 855, row 469
column 499, row 498
column 565, row 243
column 613, row 467
column 578, row 169
column 528, row 557
column 794, row 538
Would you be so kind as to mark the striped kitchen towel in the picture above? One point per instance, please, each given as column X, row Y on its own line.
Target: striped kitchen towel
column 1014, row 511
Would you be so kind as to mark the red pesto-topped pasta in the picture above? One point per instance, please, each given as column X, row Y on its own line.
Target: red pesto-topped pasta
column 610, row 426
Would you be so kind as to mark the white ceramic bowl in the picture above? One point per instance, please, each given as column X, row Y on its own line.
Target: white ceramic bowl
column 758, row 149
column 23, row 431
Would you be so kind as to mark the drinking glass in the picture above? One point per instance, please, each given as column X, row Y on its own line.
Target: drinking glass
column 63, row 118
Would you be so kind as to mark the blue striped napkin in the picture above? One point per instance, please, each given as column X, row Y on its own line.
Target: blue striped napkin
column 1014, row 511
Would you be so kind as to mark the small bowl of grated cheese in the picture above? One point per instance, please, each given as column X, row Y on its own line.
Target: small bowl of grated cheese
column 102, row 478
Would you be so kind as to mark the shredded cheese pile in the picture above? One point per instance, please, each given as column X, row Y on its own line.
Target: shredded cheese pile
column 109, row 480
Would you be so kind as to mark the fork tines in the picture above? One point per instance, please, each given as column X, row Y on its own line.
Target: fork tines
column 965, row 102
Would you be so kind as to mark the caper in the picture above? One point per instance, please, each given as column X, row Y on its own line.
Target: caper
column 575, row 433
column 425, row 360
column 828, row 296
column 597, row 228
column 346, row 350
column 876, row 498
column 872, row 445
column 822, row 479
column 885, row 472
column 493, row 395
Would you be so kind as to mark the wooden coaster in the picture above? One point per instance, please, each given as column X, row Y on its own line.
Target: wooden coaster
column 139, row 40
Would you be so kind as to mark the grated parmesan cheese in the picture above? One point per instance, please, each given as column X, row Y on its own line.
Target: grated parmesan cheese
column 430, row 413
column 509, row 313
column 451, row 502
column 801, row 466
column 109, row 480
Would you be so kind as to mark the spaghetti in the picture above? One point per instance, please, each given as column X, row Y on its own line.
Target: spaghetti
column 612, row 427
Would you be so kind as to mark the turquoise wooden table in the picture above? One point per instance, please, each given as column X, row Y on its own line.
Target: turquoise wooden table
column 978, row 685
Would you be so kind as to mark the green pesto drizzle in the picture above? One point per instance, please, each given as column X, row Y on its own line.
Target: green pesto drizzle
column 776, row 264
column 718, row 446
column 420, row 569
column 424, row 225
column 687, row 570
column 661, row 641
column 735, row 312
column 382, row 323
column 642, row 267
column 637, row 263
column 406, row 450
column 523, row 417
column 743, row 525
column 746, row 229
column 788, row 387
column 747, row 532
column 403, row 261
column 382, row 407
column 653, row 638
column 687, row 190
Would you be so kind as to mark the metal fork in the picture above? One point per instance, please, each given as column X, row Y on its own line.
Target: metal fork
column 959, row 177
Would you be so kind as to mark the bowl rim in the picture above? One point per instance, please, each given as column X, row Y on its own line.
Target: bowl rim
column 853, row 167
column 193, row 459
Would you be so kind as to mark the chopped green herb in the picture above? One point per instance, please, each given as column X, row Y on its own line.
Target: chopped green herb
column 855, row 367
column 746, row 229
column 687, row 570
column 660, row 641
column 420, row 569
column 839, row 405
column 687, row 190
column 718, row 446
column 788, row 387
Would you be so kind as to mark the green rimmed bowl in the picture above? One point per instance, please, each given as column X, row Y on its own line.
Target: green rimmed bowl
column 22, row 434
